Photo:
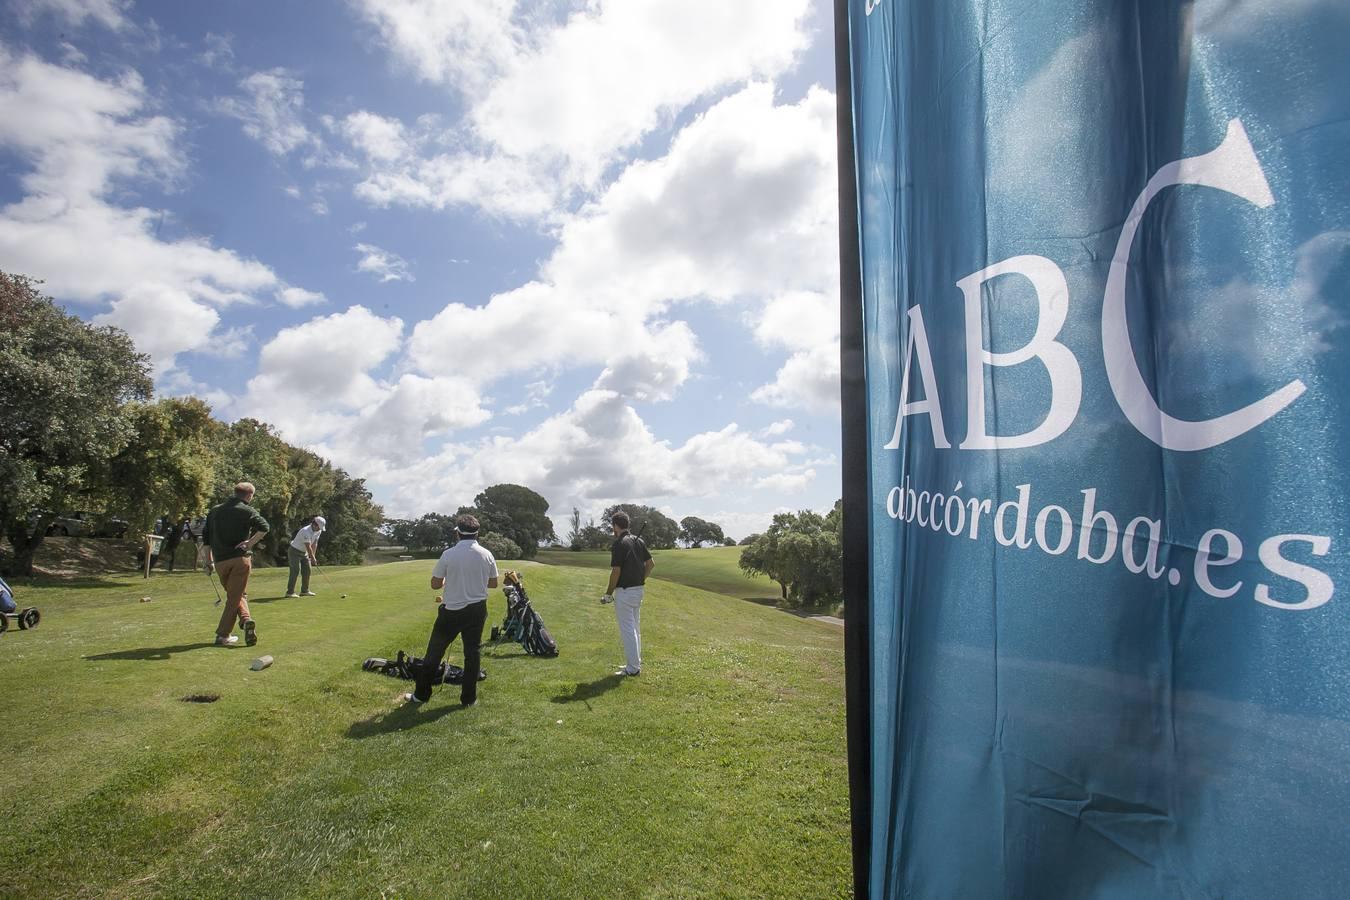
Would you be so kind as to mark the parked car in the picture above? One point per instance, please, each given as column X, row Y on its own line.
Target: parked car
column 84, row 524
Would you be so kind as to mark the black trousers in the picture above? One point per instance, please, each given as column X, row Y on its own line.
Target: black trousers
column 450, row 624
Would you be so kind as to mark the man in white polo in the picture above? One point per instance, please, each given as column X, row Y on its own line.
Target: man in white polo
column 302, row 555
column 464, row 574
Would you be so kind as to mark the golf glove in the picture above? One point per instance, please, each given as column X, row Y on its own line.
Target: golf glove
column 607, row 598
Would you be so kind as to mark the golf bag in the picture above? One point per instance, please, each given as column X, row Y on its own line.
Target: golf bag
column 405, row 667
column 522, row 623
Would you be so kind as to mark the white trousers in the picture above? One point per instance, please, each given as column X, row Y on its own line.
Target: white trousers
column 628, row 610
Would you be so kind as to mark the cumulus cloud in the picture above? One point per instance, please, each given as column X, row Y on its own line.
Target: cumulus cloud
column 383, row 264
column 554, row 104
column 319, row 383
column 597, row 452
column 82, row 141
column 808, row 380
column 807, row 324
column 453, row 43
column 742, row 207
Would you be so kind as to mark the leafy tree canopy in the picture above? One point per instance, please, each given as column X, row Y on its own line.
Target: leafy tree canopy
column 696, row 532
column 659, row 531
column 800, row 551
column 63, row 383
column 517, row 512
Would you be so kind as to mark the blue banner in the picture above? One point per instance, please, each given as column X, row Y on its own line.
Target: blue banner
column 1105, row 267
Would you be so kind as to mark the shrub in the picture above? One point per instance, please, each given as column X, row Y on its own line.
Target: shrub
column 500, row 546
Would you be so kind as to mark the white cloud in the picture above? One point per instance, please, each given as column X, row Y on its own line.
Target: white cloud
column 409, row 166
column 295, row 297
column 319, row 384
column 806, row 323
column 655, row 366
column 72, row 55
column 108, row 13
column 613, row 71
column 84, row 140
column 272, row 112
column 456, row 43
column 553, row 103
column 231, row 343
column 383, row 264
column 597, row 452
column 743, row 207
column 783, row 426
column 798, row 320
column 380, row 139
column 808, row 380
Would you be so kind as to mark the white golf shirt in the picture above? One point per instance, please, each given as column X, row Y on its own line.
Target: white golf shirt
column 306, row 535
column 466, row 568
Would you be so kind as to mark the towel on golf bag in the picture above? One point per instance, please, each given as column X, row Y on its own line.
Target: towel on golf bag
column 522, row 623
column 405, row 666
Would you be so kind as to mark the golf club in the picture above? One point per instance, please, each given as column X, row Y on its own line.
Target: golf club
column 214, row 587
column 328, row 581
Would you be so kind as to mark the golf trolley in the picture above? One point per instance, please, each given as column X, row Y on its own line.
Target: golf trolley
column 522, row 623
column 25, row 618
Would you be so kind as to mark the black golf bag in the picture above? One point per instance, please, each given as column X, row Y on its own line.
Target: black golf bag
column 522, row 623
column 405, row 667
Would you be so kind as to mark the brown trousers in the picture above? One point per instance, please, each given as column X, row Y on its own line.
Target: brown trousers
column 233, row 575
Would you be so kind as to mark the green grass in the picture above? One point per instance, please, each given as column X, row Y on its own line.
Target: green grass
column 720, row 772
column 713, row 569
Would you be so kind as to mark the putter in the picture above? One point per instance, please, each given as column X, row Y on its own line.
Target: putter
column 214, row 587
column 328, row 581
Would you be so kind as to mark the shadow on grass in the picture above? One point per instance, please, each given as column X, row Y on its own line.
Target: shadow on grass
column 253, row 600
column 152, row 652
column 589, row 690
column 409, row 715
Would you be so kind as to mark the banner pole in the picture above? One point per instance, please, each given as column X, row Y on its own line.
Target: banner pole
column 853, row 420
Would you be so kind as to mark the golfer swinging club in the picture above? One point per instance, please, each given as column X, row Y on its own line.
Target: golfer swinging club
column 302, row 555
column 630, row 564
column 230, row 533
column 466, row 571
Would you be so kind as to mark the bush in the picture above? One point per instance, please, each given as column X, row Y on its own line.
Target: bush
column 500, row 546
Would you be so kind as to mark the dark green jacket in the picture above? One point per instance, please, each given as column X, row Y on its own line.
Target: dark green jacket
column 230, row 523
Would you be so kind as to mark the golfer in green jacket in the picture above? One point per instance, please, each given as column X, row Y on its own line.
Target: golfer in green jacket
column 231, row 531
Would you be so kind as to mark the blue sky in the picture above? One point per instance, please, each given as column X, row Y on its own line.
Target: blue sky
column 587, row 247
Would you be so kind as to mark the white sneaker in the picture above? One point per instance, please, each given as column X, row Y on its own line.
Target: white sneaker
column 309, row 594
column 229, row 641
column 292, row 594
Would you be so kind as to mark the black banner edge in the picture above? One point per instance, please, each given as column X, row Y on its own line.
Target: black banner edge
column 853, row 421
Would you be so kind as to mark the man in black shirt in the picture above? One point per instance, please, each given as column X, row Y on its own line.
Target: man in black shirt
column 231, row 531
column 630, row 564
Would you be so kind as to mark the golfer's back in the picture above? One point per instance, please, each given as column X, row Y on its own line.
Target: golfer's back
column 466, row 568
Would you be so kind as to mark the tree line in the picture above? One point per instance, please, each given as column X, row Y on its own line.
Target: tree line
column 81, row 430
